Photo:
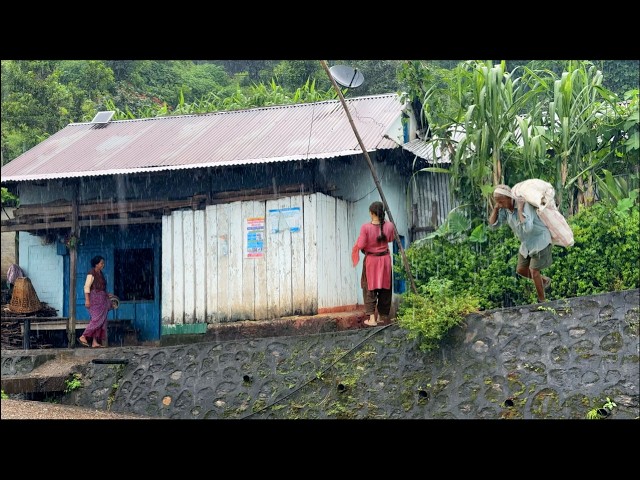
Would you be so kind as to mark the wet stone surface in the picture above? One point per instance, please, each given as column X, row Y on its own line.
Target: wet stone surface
column 523, row 363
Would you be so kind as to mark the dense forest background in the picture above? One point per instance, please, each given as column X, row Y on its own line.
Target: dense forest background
column 40, row 97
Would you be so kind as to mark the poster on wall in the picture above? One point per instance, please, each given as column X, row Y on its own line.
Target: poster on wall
column 285, row 219
column 255, row 237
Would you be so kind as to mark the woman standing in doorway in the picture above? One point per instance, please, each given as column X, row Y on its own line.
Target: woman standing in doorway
column 97, row 301
column 373, row 241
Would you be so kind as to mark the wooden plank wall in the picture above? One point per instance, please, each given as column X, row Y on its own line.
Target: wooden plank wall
column 310, row 263
column 206, row 277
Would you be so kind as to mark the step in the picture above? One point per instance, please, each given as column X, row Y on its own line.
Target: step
column 48, row 377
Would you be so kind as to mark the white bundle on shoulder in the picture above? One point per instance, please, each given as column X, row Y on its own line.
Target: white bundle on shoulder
column 541, row 195
column 535, row 191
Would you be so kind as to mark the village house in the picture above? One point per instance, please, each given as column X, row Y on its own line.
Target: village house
column 217, row 217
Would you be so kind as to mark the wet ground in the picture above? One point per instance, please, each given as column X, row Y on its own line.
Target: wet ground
column 32, row 410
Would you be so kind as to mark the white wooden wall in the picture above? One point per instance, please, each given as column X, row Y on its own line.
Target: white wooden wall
column 206, row 277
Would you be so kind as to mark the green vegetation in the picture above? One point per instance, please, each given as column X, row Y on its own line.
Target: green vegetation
column 527, row 122
column 73, row 383
column 4, row 395
column 8, row 198
column 604, row 258
column 601, row 412
column 429, row 315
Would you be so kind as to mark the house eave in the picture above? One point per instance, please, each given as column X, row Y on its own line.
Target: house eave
column 166, row 168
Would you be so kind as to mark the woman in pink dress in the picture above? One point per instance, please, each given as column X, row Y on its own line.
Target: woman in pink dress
column 373, row 241
column 97, row 301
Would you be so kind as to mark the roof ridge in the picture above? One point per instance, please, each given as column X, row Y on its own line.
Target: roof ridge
column 265, row 107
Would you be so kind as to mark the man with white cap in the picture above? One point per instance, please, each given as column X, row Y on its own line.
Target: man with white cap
column 535, row 239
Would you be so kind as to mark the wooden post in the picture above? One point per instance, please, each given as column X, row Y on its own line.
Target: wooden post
column 26, row 334
column 375, row 177
column 73, row 256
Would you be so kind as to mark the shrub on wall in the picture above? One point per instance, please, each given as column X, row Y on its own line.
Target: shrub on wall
column 429, row 315
column 484, row 269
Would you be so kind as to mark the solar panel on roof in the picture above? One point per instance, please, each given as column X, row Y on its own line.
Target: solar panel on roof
column 103, row 117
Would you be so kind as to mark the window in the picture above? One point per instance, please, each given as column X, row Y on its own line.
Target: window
column 133, row 272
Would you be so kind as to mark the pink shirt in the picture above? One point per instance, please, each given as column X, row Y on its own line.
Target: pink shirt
column 378, row 268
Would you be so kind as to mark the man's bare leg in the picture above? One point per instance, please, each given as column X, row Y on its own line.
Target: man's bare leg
column 538, row 282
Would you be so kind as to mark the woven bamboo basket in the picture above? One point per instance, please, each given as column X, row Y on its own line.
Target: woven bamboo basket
column 24, row 298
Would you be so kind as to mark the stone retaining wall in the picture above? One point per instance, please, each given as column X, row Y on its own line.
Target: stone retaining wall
column 557, row 360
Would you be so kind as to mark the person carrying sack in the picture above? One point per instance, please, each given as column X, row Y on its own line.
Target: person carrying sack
column 534, row 254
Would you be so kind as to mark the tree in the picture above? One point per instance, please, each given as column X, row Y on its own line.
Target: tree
column 34, row 104
column 565, row 128
column 588, row 129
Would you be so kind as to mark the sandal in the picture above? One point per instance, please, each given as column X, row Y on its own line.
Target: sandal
column 84, row 343
column 370, row 324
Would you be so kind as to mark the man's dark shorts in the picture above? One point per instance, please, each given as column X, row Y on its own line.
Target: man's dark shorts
column 537, row 261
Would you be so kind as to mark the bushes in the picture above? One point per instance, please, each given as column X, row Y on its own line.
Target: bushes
column 429, row 315
column 483, row 269
column 604, row 258
column 462, row 274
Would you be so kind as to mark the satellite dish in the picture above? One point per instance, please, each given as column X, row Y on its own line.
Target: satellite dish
column 346, row 76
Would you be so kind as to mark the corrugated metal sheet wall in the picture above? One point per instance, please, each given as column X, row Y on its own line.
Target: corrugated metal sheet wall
column 431, row 203
column 207, row 277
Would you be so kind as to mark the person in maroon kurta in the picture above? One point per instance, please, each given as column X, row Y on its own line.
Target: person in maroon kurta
column 97, row 301
column 373, row 241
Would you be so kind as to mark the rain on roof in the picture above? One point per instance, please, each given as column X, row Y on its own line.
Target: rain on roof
column 259, row 135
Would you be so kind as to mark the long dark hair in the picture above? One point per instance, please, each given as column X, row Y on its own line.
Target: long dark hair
column 378, row 209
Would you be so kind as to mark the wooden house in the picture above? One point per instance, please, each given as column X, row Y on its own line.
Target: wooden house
column 218, row 217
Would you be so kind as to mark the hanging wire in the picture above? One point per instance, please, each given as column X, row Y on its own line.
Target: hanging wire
column 316, row 376
column 373, row 189
column 353, row 107
column 313, row 117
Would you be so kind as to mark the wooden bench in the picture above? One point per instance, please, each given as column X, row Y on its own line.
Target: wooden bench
column 29, row 324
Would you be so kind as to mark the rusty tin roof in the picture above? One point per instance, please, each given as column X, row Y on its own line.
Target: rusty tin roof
column 258, row 135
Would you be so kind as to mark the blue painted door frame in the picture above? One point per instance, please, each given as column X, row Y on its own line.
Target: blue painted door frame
column 104, row 241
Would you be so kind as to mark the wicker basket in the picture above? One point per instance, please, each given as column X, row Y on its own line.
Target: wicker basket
column 24, row 298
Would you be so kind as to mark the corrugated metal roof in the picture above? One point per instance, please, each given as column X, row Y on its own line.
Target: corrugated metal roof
column 259, row 135
column 432, row 149
column 425, row 150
